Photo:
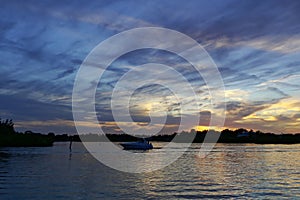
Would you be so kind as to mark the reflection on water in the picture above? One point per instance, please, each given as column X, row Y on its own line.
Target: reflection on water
column 230, row 171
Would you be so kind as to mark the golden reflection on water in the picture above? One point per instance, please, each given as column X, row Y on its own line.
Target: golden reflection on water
column 236, row 171
column 231, row 170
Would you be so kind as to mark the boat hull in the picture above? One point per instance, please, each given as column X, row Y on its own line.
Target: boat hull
column 136, row 146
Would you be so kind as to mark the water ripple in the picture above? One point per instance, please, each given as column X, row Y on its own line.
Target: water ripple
column 231, row 171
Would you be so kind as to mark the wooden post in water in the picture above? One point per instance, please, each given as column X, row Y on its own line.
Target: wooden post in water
column 71, row 141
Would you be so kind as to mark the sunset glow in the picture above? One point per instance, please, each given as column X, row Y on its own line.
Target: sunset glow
column 43, row 46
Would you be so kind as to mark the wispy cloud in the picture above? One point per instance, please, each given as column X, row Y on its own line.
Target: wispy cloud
column 255, row 44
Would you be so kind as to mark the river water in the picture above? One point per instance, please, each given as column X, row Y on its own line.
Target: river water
column 236, row 171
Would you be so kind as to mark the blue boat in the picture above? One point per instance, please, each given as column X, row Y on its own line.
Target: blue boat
column 140, row 145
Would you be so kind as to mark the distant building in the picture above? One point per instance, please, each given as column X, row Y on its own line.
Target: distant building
column 243, row 134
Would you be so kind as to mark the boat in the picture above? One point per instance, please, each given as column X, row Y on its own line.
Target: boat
column 140, row 145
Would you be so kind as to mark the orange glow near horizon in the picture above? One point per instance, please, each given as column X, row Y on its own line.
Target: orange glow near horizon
column 202, row 128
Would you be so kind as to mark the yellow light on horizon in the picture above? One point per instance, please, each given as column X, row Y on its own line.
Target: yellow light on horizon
column 202, row 128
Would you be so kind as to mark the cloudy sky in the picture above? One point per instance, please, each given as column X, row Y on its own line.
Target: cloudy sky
column 255, row 44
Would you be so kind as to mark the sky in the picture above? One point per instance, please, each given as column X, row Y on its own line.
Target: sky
column 255, row 45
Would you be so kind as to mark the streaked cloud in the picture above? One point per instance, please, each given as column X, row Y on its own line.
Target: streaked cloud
column 255, row 44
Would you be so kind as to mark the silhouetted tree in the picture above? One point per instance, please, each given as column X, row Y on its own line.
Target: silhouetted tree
column 6, row 126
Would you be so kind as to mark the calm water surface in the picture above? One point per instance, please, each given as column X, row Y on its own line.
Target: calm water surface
column 230, row 171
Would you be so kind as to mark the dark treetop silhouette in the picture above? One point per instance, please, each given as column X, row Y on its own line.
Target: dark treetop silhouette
column 10, row 138
column 226, row 136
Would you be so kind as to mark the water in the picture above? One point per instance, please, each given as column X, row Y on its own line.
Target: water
column 236, row 171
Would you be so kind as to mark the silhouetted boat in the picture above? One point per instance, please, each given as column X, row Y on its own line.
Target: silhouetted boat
column 140, row 145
